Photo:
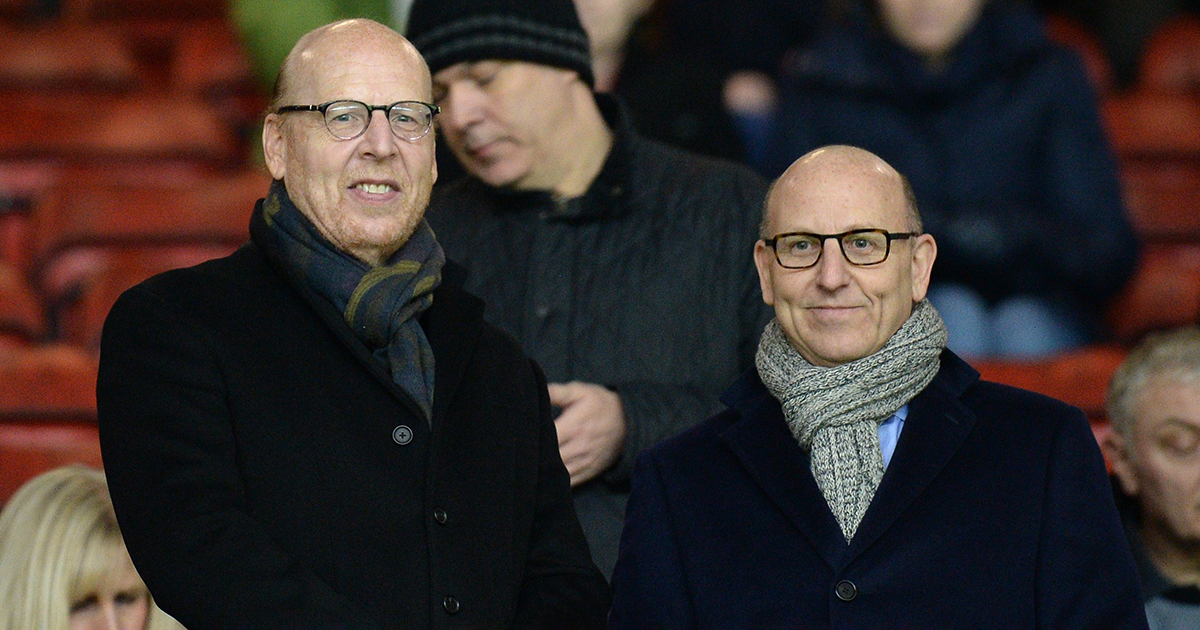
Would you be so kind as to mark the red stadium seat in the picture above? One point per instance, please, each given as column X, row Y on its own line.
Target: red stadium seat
column 52, row 382
column 31, row 448
column 80, row 313
column 1163, row 293
column 59, row 55
column 1171, row 61
column 1145, row 125
column 1163, row 198
column 127, row 9
column 90, row 126
column 21, row 314
column 1079, row 377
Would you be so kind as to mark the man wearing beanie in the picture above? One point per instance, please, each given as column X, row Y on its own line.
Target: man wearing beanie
column 621, row 265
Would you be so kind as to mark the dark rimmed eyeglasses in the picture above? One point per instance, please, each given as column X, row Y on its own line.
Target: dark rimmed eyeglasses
column 862, row 248
column 347, row 120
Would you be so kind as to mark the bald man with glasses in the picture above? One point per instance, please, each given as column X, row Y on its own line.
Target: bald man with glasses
column 320, row 430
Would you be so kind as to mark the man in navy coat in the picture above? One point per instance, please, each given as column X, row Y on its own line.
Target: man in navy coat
column 863, row 476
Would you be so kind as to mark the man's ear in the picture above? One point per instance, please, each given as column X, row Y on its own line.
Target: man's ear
column 274, row 146
column 1116, row 451
column 764, row 257
column 923, row 255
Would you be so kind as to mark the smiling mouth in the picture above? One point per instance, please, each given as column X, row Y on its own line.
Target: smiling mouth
column 375, row 189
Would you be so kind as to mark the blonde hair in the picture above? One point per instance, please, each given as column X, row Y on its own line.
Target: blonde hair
column 58, row 540
column 1174, row 354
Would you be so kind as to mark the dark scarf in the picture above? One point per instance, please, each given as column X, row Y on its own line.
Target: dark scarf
column 381, row 304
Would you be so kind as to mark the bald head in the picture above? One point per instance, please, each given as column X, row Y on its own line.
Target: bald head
column 840, row 163
column 332, row 44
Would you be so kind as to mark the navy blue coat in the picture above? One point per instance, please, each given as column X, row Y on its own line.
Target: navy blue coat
column 995, row 512
column 1012, row 171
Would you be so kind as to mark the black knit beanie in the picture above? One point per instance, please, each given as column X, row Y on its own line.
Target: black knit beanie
column 541, row 31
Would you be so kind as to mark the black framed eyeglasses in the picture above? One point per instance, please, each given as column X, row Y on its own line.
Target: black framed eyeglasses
column 347, row 120
column 862, row 248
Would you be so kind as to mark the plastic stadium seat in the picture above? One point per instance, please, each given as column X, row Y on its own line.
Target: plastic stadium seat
column 1079, row 377
column 21, row 316
column 1070, row 33
column 205, row 210
column 79, row 314
column 1147, row 125
column 1163, row 199
column 1163, row 293
column 90, row 126
column 209, row 59
column 52, row 382
column 31, row 448
column 65, row 55
column 1171, row 61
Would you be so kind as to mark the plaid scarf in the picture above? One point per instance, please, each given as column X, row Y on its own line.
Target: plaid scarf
column 835, row 412
column 381, row 304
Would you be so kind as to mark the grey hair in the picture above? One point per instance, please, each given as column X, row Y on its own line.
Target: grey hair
column 1174, row 354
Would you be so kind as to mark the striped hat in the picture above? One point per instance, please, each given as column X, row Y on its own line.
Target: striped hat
column 547, row 32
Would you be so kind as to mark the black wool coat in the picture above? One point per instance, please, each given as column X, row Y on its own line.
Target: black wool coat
column 267, row 472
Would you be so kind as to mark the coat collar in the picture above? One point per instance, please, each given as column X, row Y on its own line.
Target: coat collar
column 936, row 427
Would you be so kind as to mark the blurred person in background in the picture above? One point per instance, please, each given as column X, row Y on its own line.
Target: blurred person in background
column 674, row 95
column 998, row 130
column 63, row 564
column 1154, row 448
column 619, row 263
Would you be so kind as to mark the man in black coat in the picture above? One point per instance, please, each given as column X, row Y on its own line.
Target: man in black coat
column 620, row 264
column 320, row 431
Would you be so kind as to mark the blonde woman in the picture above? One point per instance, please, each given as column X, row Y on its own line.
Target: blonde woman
column 63, row 564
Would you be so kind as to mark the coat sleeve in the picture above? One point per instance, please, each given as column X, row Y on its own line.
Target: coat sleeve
column 1086, row 577
column 562, row 588
column 649, row 587
column 169, row 453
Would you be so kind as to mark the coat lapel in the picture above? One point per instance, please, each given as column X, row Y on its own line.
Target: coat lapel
column 453, row 325
column 936, row 427
column 765, row 447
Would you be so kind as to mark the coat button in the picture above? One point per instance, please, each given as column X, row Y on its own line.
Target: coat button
column 450, row 604
column 846, row 590
column 402, row 435
column 439, row 515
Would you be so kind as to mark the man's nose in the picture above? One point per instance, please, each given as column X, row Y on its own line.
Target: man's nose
column 832, row 269
column 462, row 106
column 378, row 137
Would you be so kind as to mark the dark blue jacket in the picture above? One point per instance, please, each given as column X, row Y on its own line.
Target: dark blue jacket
column 995, row 512
column 1004, row 148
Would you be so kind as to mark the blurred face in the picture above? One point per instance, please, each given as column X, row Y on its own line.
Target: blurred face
column 504, row 119
column 930, row 27
column 120, row 603
column 608, row 22
column 366, row 195
column 1162, row 467
column 835, row 312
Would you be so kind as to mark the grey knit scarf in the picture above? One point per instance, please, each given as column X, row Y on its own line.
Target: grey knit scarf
column 835, row 412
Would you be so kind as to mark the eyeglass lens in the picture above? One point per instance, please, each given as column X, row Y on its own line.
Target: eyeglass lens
column 866, row 247
column 349, row 119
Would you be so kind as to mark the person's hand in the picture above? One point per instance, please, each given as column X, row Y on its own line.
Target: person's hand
column 591, row 428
